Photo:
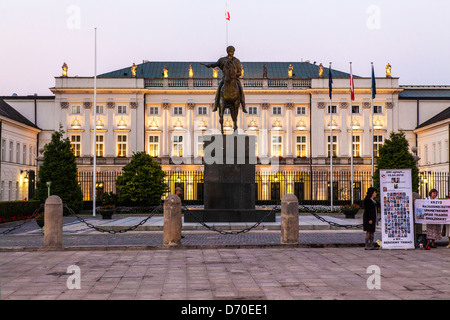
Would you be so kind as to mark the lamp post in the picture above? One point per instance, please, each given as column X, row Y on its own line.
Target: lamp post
column 48, row 186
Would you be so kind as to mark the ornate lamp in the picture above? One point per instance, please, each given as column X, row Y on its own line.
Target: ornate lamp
column 253, row 125
column 76, row 124
column 153, row 125
column 122, row 124
column 276, row 125
column 301, row 125
column 178, row 125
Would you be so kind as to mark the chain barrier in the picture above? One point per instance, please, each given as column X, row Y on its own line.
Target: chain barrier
column 185, row 210
column 331, row 223
column 90, row 225
column 32, row 217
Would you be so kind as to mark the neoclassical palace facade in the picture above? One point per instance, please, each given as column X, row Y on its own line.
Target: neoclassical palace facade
column 165, row 109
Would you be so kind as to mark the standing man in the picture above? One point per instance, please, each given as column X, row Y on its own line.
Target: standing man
column 238, row 67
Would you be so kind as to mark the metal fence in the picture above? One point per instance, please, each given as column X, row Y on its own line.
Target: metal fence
column 434, row 180
column 270, row 187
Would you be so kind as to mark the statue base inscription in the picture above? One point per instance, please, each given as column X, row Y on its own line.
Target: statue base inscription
column 229, row 182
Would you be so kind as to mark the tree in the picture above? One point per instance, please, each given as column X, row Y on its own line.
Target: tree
column 142, row 181
column 394, row 154
column 60, row 168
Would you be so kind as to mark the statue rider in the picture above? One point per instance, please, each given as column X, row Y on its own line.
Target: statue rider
column 238, row 66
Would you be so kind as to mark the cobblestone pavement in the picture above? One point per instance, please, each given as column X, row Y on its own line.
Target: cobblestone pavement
column 222, row 274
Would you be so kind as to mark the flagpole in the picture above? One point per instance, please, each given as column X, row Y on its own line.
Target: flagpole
column 351, row 131
column 371, row 120
column 95, row 127
column 331, row 140
column 227, row 22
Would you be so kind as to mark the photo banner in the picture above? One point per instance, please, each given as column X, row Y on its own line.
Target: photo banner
column 432, row 211
column 397, row 221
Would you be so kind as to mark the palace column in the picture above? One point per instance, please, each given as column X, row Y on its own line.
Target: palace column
column 87, row 148
column 166, row 133
column 288, row 153
column 110, row 106
column 135, row 124
column 366, row 140
column 263, row 144
column 190, row 133
column 344, row 150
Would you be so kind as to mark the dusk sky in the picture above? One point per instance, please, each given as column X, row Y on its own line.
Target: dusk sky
column 37, row 37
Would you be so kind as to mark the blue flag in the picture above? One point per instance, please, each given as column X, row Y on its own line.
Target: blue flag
column 374, row 85
column 330, row 82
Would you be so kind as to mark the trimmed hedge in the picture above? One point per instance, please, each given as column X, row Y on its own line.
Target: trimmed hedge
column 17, row 210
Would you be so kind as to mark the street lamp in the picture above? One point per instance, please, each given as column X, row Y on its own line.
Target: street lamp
column 48, row 186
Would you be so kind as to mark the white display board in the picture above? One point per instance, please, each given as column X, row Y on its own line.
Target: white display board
column 432, row 211
column 397, row 221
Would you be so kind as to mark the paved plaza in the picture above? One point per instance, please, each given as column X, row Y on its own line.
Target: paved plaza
column 328, row 263
column 210, row 274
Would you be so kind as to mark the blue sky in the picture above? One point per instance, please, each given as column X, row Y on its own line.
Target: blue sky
column 38, row 36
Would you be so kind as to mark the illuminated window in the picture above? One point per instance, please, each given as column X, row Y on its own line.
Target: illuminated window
column 75, row 144
column 334, row 146
column 153, row 146
column 177, row 147
column 100, row 145
column 277, row 146
column 377, row 143
column 200, row 148
column 121, row 146
column 301, row 146
column 357, row 146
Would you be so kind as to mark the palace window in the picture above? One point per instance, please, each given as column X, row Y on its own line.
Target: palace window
column 75, row 144
column 3, row 149
column 100, row 109
column 202, row 111
column 333, row 109
column 153, row 111
column 301, row 111
column 334, row 146
column 100, row 145
column 76, row 110
column 277, row 146
column 356, row 146
column 121, row 109
column 253, row 110
column 200, row 148
column 276, row 110
column 301, row 146
column 30, row 156
column 177, row 146
column 377, row 109
column 121, row 146
column 11, row 152
column 377, row 143
column 24, row 150
column 18, row 153
column 178, row 111
column 439, row 152
column 153, row 146
column 355, row 109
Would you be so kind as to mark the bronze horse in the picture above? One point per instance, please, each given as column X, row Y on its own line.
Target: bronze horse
column 229, row 94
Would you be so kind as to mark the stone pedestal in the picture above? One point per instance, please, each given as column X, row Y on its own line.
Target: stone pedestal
column 229, row 181
column 53, row 223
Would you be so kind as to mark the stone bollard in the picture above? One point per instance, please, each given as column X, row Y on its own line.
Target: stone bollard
column 172, row 221
column 53, row 223
column 289, row 219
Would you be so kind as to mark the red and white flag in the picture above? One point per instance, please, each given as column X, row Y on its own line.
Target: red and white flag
column 352, row 85
column 227, row 15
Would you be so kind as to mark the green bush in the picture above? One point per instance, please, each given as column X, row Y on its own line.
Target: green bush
column 17, row 210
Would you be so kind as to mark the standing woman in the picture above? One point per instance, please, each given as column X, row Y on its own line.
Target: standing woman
column 370, row 217
column 433, row 230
